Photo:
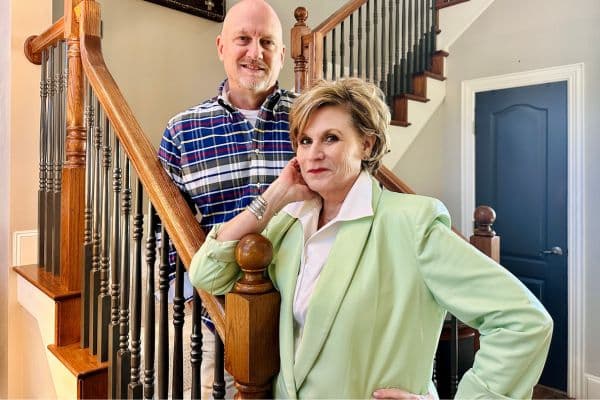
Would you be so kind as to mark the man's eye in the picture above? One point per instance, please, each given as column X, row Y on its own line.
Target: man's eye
column 242, row 38
column 268, row 43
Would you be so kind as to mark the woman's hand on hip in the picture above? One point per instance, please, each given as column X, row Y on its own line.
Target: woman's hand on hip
column 394, row 393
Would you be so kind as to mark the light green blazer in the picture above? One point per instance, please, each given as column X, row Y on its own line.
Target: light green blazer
column 376, row 313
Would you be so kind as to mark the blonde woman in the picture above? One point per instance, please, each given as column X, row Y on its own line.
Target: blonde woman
column 366, row 275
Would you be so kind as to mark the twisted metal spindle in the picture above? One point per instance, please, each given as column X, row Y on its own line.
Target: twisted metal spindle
column 135, row 383
column 149, row 333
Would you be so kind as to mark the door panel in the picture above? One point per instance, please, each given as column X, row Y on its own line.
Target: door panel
column 521, row 171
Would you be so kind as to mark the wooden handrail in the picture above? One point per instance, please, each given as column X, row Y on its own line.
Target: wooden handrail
column 338, row 16
column 36, row 43
column 170, row 205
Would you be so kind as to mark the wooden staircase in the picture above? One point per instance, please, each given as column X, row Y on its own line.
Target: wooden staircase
column 64, row 285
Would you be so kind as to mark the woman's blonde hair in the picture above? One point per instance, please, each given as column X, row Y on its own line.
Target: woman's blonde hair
column 364, row 103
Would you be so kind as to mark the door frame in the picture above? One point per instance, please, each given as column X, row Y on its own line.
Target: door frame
column 574, row 75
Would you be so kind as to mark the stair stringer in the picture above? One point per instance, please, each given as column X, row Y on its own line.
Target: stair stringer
column 43, row 309
column 418, row 115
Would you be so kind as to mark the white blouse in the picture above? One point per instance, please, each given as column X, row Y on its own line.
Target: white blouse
column 318, row 243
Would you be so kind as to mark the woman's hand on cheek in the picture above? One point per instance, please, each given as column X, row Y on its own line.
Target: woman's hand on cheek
column 393, row 393
column 296, row 188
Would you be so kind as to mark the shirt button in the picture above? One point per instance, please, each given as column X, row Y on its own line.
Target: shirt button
column 258, row 185
column 257, row 151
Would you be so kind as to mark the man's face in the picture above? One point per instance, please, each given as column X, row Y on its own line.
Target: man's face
column 251, row 49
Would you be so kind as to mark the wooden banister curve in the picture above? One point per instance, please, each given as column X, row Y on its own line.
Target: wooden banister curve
column 175, row 214
column 36, row 43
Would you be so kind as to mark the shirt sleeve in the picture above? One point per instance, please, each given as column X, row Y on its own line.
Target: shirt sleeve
column 515, row 328
column 169, row 154
column 213, row 268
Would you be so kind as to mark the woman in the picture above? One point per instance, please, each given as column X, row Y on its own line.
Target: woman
column 366, row 275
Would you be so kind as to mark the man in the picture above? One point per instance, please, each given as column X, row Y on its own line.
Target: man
column 225, row 151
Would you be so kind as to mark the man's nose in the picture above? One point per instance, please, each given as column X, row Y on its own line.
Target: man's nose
column 255, row 50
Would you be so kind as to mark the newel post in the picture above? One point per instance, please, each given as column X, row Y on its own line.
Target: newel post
column 484, row 237
column 73, row 177
column 252, row 320
column 298, row 51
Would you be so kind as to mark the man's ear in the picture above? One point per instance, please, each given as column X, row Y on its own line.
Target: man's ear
column 282, row 56
column 219, row 44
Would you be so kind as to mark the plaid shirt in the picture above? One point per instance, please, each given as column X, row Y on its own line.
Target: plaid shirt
column 220, row 161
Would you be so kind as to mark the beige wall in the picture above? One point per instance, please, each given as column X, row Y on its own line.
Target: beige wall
column 513, row 36
column 5, row 26
column 165, row 61
column 27, row 17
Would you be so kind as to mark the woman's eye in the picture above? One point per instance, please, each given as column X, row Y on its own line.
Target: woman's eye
column 304, row 141
column 331, row 138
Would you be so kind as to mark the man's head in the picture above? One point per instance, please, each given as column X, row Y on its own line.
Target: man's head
column 251, row 48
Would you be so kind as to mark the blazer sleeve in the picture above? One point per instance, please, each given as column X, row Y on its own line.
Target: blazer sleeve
column 515, row 328
column 213, row 268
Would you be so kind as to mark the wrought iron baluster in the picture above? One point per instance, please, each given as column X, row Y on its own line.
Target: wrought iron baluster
column 149, row 333
column 49, row 223
column 375, row 47
column 383, row 82
column 178, row 321
column 367, row 42
column 422, row 37
column 342, row 50
column 87, row 216
column 390, row 73
column 360, row 43
column 434, row 24
column 135, row 384
column 163, row 319
column 325, row 57
column 97, row 227
column 409, row 56
column 196, row 345
column 333, row 55
column 115, row 286
column 124, row 356
column 219, row 383
column 58, row 144
column 396, row 88
column 351, row 46
column 428, row 49
column 104, row 296
column 404, row 61
column 416, row 49
column 453, row 356
column 43, row 191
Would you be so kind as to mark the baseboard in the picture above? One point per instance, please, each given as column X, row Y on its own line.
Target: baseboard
column 592, row 386
column 25, row 248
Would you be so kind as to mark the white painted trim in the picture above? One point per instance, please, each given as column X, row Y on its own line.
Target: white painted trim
column 574, row 76
column 18, row 245
column 592, row 390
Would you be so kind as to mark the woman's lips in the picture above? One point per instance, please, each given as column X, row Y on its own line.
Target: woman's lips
column 317, row 170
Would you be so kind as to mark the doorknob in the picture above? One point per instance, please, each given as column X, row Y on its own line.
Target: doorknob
column 557, row 251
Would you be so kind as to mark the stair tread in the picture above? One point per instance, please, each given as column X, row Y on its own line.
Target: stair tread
column 77, row 360
column 441, row 5
column 414, row 97
column 51, row 285
column 433, row 75
column 399, row 123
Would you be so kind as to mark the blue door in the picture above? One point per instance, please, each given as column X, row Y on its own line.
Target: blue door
column 521, row 171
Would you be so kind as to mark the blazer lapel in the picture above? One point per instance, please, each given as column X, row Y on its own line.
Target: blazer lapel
column 331, row 288
column 288, row 261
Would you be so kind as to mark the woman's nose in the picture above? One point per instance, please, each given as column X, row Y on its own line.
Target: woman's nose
column 316, row 152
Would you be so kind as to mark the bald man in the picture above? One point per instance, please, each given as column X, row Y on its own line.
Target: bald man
column 225, row 151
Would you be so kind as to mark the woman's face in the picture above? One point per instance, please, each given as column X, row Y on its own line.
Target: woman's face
column 330, row 151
